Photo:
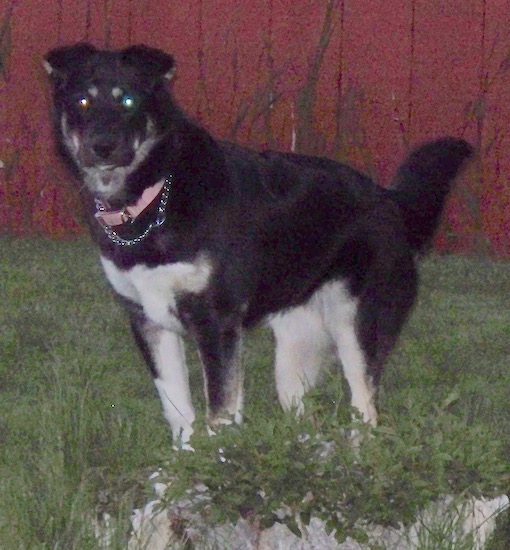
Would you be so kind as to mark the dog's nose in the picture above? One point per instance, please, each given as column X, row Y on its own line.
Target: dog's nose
column 103, row 150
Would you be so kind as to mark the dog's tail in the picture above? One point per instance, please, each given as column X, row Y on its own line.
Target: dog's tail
column 422, row 183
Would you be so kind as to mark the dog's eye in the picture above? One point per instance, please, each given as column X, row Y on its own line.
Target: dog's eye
column 127, row 102
column 83, row 102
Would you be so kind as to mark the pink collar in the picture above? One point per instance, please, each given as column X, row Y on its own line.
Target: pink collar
column 128, row 214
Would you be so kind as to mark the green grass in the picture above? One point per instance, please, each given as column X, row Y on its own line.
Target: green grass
column 81, row 427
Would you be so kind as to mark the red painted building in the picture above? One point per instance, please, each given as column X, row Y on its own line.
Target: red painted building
column 355, row 80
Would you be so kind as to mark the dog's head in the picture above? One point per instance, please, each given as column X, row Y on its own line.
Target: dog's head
column 108, row 109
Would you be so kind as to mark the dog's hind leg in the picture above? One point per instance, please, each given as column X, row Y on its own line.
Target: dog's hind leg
column 301, row 346
column 355, row 369
column 383, row 307
column 340, row 313
column 163, row 351
column 366, row 328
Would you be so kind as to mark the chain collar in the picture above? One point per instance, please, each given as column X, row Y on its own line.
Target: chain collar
column 159, row 221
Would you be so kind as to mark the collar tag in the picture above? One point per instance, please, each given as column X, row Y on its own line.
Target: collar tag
column 128, row 214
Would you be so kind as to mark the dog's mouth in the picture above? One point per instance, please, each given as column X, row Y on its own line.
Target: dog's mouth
column 106, row 182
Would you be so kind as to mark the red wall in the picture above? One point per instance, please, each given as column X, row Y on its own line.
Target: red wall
column 359, row 81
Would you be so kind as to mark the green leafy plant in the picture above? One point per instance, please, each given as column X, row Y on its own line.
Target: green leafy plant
column 287, row 470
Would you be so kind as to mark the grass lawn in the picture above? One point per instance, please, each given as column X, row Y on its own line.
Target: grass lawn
column 81, row 427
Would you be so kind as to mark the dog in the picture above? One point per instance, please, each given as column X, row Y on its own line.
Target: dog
column 207, row 238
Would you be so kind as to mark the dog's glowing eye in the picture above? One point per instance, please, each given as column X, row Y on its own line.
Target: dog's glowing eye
column 127, row 102
column 84, row 102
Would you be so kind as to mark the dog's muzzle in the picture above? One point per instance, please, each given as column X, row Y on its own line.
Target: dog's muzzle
column 107, row 153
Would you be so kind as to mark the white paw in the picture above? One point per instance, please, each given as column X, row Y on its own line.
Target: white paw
column 183, row 447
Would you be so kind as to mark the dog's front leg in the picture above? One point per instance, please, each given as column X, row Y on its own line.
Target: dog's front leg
column 218, row 337
column 163, row 351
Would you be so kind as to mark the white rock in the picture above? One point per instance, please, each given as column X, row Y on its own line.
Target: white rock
column 151, row 528
column 446, row 518
column 472, row 520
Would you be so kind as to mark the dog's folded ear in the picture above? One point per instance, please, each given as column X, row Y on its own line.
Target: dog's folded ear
column 60, row 62
column 150, row 60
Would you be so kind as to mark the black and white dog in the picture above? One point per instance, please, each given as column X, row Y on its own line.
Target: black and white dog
column 207, row 238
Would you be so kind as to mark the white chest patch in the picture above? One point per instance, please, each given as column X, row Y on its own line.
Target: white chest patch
column 156, row 288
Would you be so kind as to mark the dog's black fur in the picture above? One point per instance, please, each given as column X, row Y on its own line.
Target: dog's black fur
column 248, row 236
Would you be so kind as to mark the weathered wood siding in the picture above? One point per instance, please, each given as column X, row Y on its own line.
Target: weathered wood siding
column 354, row 80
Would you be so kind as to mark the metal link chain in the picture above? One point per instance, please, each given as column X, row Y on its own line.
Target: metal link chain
column 159, row 221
